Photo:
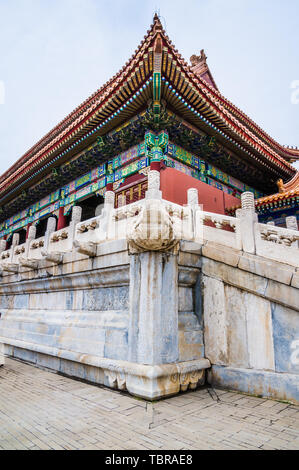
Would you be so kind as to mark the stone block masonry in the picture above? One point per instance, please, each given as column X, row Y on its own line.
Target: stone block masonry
column 148, row 296
column 107, row 320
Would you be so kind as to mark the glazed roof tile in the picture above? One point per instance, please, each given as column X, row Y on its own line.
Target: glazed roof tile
column 226, row 115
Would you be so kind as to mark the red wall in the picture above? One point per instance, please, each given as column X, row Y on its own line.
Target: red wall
column 174, row 186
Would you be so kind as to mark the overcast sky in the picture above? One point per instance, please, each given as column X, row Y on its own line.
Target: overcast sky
column 55, row 53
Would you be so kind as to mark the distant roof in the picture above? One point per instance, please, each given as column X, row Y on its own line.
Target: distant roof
column 287, row 191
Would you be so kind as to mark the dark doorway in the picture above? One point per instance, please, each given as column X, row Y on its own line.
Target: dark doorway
column 89, row 206
column 9, row 242
column 41, row 226
column 22, row 234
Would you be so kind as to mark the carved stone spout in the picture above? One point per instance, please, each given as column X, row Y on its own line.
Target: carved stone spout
column 153, row 229
column 55, row 258
column 28, row 263
column 86, row 248
column 10, row 267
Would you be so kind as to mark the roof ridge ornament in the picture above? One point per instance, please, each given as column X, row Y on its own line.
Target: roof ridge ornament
column 157, row 26
column 157, row 68
column 198, row 59
column 201, row 69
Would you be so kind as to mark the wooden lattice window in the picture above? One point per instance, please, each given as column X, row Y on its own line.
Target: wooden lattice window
column 130, row 194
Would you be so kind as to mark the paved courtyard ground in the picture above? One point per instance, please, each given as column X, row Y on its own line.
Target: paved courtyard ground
column 43, row 410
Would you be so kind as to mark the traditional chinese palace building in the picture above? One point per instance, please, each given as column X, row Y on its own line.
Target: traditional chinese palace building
column 134, row 251
column 158, row 111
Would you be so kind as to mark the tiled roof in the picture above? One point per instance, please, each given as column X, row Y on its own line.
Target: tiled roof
column 101, row 106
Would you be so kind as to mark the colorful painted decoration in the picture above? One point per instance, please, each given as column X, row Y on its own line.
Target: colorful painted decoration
column 156, row 145
column 136, row 159
column 126, row 157
column 130, row 169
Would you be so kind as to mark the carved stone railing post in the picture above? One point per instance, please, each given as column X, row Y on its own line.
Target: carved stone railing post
column 89, row 233
column 86, row 248
column 248, row 218
column 192, row 203
column 291, row 223
column 106, row 215
column 9, row 265
column 109, row 200
column 31, row 232
column 76, row 218
column 76, row 214
column 31, row 236
column 47, row 253
column 153, row 191
column 15, row 242
column 247, row 202
column 15, row 239
column 23, row 261
column 51, row 227
column 192, row 197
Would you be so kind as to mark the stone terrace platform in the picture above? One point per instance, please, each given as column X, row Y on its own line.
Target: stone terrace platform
column 43, row 410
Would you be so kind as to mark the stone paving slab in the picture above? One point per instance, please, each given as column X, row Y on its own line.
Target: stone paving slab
column 43, row 410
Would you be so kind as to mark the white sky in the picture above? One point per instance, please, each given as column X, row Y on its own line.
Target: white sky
column 55, row 53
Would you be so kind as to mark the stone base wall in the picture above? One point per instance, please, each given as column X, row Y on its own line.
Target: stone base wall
column 150, row 382
column 78, row 306
column 127, row 321
column 190, row 318
column 260, row 383
column 152, row 322
column 147, row 296
column 251, row 323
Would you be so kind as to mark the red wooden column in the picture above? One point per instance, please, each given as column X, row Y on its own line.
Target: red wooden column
column 27, row 231
column 5, row 238
column 156, row 166
column 61, row 219
column 109, row 187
